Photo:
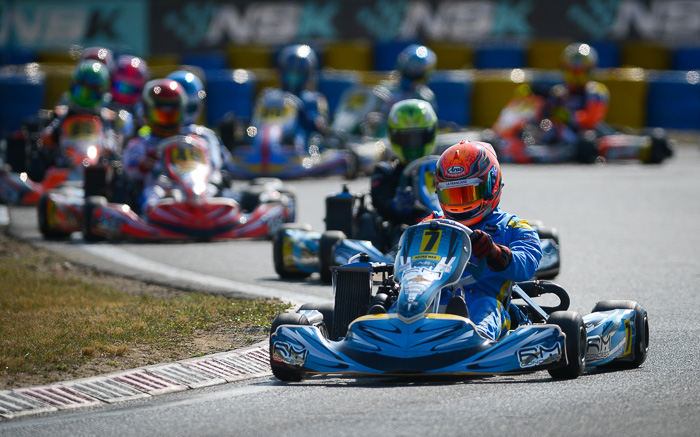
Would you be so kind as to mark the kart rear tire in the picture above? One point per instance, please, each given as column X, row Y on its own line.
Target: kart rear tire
column 324, row 308
column 278, row 251
column 325, row 254
column 571, row 324
column 88, row 220
column 549, row 233
column 281, row 371
column 641, row 341
column 45, row 228
column 95, row 180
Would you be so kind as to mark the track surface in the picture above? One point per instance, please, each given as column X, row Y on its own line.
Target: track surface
column 627, row 231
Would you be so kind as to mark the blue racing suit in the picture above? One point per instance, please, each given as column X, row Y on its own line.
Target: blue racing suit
column 489, row 297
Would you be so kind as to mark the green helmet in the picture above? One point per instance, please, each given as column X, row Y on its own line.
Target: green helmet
column 412, row 129
column 89, row 83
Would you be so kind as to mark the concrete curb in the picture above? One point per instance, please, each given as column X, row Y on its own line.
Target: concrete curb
column 138, row 383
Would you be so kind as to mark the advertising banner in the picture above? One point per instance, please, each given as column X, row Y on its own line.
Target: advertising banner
column 178, row 26
column 54, row 25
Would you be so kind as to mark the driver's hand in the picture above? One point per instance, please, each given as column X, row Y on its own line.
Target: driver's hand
column 403, row 200
column 498, row 257
column 148, row 161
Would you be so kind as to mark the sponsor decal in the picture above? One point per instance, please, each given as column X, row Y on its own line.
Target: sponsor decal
column 598, row 347
column 519, row 224
column 539, row 355
column 455, row 170
column 289, row 353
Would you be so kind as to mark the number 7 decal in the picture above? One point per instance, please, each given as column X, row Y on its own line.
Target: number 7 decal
column 430, row 241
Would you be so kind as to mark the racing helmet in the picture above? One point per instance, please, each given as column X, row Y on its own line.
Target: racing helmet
column 88, row 85
column 578, row 61
column 164, row 104
column 99, row 54
column 415, row 63
column 297, row 64
column 468, row 181
column 128, row 79
column 194, row 90
column 412, row 126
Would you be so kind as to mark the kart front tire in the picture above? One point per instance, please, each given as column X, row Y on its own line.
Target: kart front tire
column 91, row 203
column 278, row 251
column 571, row 324
column 325, row 253
column 282, row 371
column 326, row 309
column 44, row 224
column 641, row 325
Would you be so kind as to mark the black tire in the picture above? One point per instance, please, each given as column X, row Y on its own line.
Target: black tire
column 641, row 341
column 281, row 371
column 587, row 148
column 45, row 227
column 88, row 220
column 16, row 153
column 325, row 254
column 550, row 233
column 278, row 251
column 324, row 308
column 95, row 181
column 571, row 324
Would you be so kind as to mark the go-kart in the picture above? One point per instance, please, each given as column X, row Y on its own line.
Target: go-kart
column 81, row 145
column 353, row 226
column 420, row 331
column 359, row 125
column 279, row 146
column 187, row 210
column 524, row 133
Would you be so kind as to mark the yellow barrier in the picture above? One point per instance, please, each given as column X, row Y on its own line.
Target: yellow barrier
column 453, row 56
column 648, row 55
column 349, row 55
column 545, row 54
column 628, row 96
column 250, row 56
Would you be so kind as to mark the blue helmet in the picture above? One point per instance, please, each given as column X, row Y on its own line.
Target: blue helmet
column 415, row 63
column 297, row 64
column 194, row 90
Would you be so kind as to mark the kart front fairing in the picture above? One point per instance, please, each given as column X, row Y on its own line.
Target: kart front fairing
column 416, row 338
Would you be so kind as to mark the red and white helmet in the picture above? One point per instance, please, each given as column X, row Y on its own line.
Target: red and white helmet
column 128, row 80
column 468, row 181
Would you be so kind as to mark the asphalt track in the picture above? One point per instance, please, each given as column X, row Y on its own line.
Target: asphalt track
column 626, row 230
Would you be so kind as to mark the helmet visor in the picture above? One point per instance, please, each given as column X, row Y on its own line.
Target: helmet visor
column 86, row 95
column 125, row 88
column 165, row 116
column 465, row 191
column 413, row 141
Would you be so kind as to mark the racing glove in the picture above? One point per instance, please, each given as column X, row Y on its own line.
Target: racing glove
column 148, row 161
column 498, row 257
column 403, row 200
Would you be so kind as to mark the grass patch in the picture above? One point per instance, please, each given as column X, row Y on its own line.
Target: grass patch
column 54, row 322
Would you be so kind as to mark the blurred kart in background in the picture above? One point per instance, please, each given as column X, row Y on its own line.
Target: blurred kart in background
column 353, row 227
column 521, row 135
column 188, row 209
column 32, row 171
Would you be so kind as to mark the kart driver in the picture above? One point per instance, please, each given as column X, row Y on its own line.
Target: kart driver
column 128, row 79
column 414, row 65
column 468, row 184
column 87, row 89
column 580, row 103
column 195, row 95
column 164, row 103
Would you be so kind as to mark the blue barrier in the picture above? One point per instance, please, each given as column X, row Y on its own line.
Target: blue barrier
column 386, row 52
column 673, row 99
column 21, row 96
column 229, row 91
column 500, row 56
column 686, row 58
column 453, row 92
column 215, row 60
column 608, row 53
